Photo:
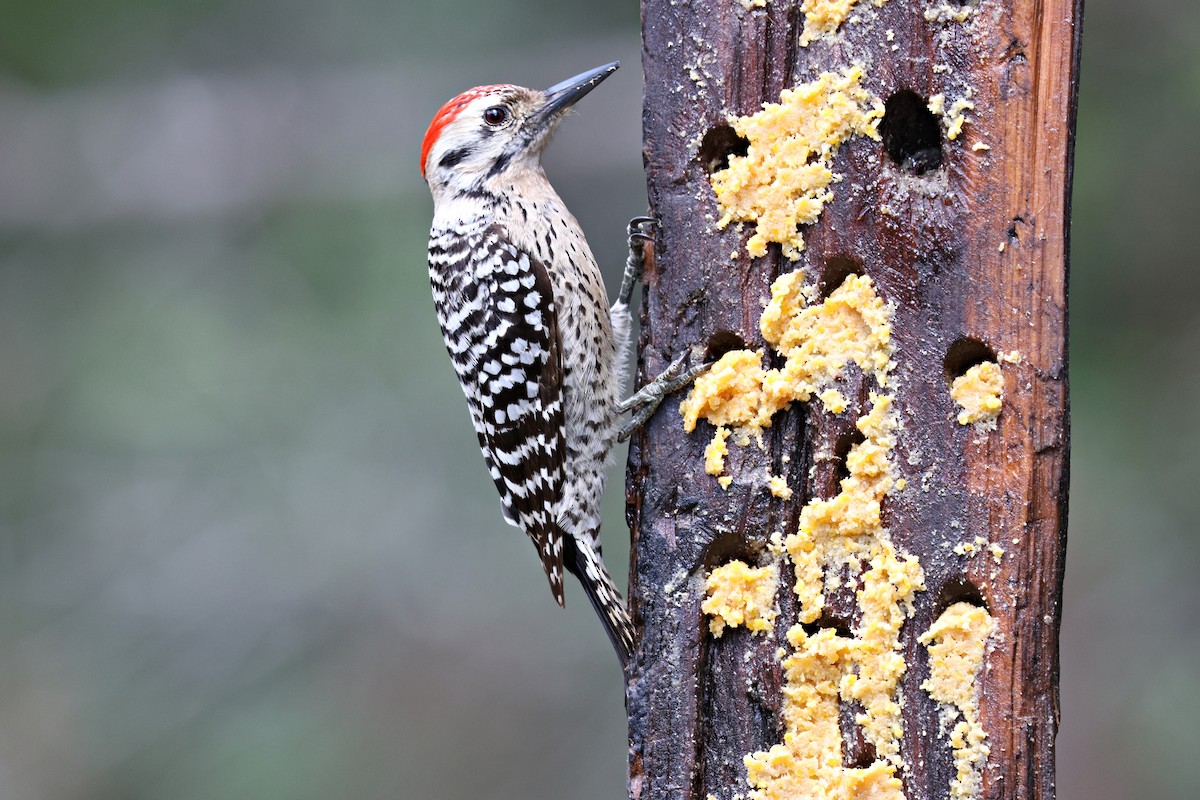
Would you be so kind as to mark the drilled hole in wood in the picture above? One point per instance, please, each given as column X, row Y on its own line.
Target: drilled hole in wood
column 959, row 590
column 723, row 342
column 728, row 547
column 964, row 354
column 911, row 134
column 718, row 145
column 837, row 269
column 841, row 450
column 840, row 625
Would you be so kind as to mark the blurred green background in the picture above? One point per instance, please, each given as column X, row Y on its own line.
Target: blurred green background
column 247, row 545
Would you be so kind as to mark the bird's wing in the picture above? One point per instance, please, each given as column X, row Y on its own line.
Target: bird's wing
column 506, row 352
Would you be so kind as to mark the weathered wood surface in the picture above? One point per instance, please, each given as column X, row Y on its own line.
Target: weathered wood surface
column 974, row 255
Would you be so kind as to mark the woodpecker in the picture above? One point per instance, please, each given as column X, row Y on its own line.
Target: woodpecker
column 525, row 318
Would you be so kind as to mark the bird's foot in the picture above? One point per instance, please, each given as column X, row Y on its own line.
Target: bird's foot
column 646, row 400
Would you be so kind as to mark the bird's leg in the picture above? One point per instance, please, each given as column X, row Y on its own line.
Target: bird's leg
column 646, row 401
column 639, row 235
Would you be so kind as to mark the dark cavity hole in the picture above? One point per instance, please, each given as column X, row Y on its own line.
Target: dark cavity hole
column 718, row 145
column 959, row 590
column 964, row 354
column 728, row 547
column 723, row 342
column 837, row 269
column 840, row 625
column 1013, row 236
column 841, row 450
column 911, row 133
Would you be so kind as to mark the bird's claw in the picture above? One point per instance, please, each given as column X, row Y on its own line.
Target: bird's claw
column 640, row 234
column 646, row 401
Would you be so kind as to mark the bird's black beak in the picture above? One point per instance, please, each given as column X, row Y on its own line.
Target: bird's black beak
column 562, row 96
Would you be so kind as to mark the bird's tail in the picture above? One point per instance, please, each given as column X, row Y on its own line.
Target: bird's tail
column 586, row 564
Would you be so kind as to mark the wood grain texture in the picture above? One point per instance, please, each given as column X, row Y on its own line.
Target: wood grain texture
column 974, row 256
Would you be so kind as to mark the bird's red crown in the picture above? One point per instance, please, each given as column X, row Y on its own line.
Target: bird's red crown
column 449, row 111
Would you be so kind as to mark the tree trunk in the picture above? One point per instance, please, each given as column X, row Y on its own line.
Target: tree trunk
column 967, row 238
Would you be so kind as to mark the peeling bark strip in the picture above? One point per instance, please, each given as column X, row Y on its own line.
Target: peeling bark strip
column 958, row 214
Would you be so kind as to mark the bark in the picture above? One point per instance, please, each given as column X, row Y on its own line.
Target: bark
column 973, row 253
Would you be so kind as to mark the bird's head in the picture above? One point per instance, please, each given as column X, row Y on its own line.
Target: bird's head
column 485, row 135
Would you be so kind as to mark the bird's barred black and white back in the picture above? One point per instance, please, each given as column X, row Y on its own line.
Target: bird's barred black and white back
column 495, row 305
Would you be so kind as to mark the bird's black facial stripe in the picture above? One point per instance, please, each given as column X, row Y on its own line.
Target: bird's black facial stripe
column 453, row 157
column 500, row 165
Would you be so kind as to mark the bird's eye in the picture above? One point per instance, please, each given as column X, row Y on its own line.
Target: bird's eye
column 496, row 116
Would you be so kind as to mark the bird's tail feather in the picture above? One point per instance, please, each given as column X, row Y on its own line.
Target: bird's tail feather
column 603, row 594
